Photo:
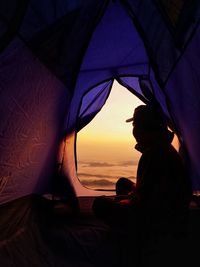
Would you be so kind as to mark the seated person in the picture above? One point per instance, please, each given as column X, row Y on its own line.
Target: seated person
column 162, row 194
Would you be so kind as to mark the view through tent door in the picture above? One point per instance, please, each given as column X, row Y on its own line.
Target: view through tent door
column 105, row 147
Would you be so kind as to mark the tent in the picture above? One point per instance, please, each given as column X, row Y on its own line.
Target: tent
column 58, row 62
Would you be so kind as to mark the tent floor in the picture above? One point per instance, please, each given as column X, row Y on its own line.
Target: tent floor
column 35, row 233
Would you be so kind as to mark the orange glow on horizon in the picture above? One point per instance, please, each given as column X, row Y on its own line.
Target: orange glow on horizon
column 108, row 133
column 105, row 147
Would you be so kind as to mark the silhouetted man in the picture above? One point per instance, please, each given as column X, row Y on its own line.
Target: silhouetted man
column 156, row 210
column 163, row 188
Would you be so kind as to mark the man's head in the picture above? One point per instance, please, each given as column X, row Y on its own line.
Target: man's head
column 148, row 118
column 148, row 122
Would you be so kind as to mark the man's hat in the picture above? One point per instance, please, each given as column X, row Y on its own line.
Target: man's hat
column 148, row 117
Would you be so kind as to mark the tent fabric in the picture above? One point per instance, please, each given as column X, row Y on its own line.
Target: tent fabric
column 53, row 240
column 53, row 30
column 185, row 103
column 108, row 56
column 166, row 27
column 44, row 234
column 58, row 60
column 133, row 84
column 92, row 102
column 11, row 13
column 114, row 49
column 33, row 107
column 156, row 68
column 65, row 60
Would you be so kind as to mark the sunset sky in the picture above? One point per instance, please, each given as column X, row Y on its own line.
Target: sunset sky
column 108, row 134
column 106, row 145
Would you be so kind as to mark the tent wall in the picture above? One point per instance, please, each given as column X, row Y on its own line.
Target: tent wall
column 166, row 28
column 55, row 51
column 182, row 90
column 58, row 33
column 115, row 49
column 33, row 106
column 44, row 42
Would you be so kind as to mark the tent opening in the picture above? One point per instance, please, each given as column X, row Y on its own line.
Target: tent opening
column 105, row 147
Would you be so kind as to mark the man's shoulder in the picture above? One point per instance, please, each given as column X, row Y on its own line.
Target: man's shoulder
column 161, row 152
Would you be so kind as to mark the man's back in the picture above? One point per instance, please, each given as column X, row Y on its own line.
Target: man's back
column 163, row 186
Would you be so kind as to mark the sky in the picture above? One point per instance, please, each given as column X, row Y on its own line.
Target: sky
column 105, row 147
column 109, row 129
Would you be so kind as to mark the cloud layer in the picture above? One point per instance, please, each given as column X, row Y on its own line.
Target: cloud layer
column 94, row 174
column 106, row 164
column 85, row 174
column 98, row 183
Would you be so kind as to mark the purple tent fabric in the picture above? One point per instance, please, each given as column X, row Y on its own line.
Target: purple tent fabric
column 133, row 84
column 92, row 103
column 59, row 32
column 166, row 28
column 33, row 107
column 115, row 49
column 183, row 91
column 58, row 61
